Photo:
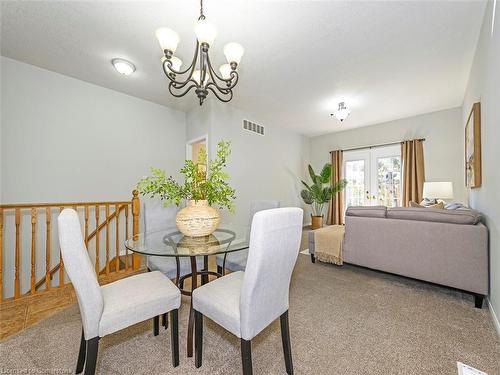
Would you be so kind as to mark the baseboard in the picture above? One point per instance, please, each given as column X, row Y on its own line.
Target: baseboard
column 494, row 317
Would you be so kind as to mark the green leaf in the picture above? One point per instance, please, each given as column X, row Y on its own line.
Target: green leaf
column 312, row 173
column 306, row 185
column 307, row 197
column 326, row 173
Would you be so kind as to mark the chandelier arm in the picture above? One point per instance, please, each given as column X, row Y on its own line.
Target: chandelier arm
column 179, row 84
column 230, row 93
column 171, row 84
column 233, row 74
column 193, row 62
column 230, row 83
column 222, row 90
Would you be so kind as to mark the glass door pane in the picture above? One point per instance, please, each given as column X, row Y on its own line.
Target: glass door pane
column 355, row 190
column 389, row 180
column 386, row 175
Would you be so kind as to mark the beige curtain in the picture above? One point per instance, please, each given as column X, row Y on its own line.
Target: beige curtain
column 412, row 157
column 336, row 206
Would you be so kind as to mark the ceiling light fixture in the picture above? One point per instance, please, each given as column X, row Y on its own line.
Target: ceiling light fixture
column 342, row 112
column 123, row 66
column 200, row 75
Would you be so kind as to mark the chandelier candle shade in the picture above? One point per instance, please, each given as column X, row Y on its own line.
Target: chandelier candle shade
column 200, row 74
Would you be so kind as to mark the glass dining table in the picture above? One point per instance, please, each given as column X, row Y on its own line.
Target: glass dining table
column 170, row 242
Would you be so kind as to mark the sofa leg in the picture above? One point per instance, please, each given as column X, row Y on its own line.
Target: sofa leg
column 478, row 301
column 313, row 258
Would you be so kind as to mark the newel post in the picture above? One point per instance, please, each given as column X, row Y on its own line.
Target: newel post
column 136, row 259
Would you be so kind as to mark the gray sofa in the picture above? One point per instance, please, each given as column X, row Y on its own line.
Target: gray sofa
column 446, row 247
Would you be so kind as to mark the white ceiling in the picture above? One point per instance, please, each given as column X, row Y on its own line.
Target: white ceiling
column 387, row 59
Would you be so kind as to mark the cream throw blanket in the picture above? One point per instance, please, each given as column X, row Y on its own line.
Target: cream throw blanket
column 328, row 244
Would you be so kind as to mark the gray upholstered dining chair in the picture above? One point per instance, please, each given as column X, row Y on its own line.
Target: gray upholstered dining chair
column 115, row 306
column 237, row 260
column 245, row 303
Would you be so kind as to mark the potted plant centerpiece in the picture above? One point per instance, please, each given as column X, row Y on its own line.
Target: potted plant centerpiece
column 205, row 186
column 320, row 192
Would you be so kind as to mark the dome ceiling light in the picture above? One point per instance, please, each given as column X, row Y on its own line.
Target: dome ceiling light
column 123, row 66
column 199, row 75
column 342, row 112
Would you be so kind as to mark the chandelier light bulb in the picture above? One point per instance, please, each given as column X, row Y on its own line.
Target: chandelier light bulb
column 176, row 63
column 205, row 32
column 233, row 52
column 225, row 71
column 167, row 38
column 123, row 66
column 342, row 112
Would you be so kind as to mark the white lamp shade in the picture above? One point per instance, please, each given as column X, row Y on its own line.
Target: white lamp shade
column 438, row 190
column 167, row 38
column 176, row 63
column 225, row 71
column 205, row 32
column 233, row 52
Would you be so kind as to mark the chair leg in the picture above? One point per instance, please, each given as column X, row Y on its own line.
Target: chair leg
column 81, row 355
column 219, row 269
column 156, row 325
column 246, row 356
column 174, row 337
column 164, row 320
column 92, row 349
column 198, row 339
column 285, row 338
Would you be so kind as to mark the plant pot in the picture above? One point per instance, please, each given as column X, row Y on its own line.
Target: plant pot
column 197, row 219
column 316, row 222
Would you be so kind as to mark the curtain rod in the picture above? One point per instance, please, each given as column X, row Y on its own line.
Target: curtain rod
column 377, row 145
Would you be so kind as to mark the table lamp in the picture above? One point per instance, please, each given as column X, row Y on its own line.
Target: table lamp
column 435, row 191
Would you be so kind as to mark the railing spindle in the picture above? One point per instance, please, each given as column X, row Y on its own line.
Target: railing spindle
column 17, row 284
column 97, row 267
column 117, row 238
column 126, row 236
column 61, row 263
column 136, row 259
column 1, row 254
column 107, row 238
column 33, row 250
column 86, row 219
column 48, row 218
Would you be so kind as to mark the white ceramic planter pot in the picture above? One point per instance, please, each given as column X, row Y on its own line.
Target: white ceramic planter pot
column 197, row 219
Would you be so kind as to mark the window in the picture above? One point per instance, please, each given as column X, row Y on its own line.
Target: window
column 373, row 176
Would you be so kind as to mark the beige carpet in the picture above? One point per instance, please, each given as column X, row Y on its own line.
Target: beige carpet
column 343, row 321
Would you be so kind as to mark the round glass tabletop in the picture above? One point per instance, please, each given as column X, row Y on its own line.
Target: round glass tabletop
column 172, row 243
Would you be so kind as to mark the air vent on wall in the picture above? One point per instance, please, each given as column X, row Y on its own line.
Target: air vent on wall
column 253, row 127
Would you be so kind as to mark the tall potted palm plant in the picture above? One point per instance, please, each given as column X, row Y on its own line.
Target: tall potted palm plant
column 319, row 193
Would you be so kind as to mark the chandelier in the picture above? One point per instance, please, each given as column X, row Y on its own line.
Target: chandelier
column 200, row 74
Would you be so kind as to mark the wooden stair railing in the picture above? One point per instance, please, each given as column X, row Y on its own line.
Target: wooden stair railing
column 107, row 261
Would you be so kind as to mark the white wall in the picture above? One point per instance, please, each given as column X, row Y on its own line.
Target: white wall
column 65, row 139
column 260, row 167
column 443, row 146
column 484, row 87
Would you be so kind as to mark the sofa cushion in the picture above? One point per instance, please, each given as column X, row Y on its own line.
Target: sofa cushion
column 367, row 211
column 434, row 214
